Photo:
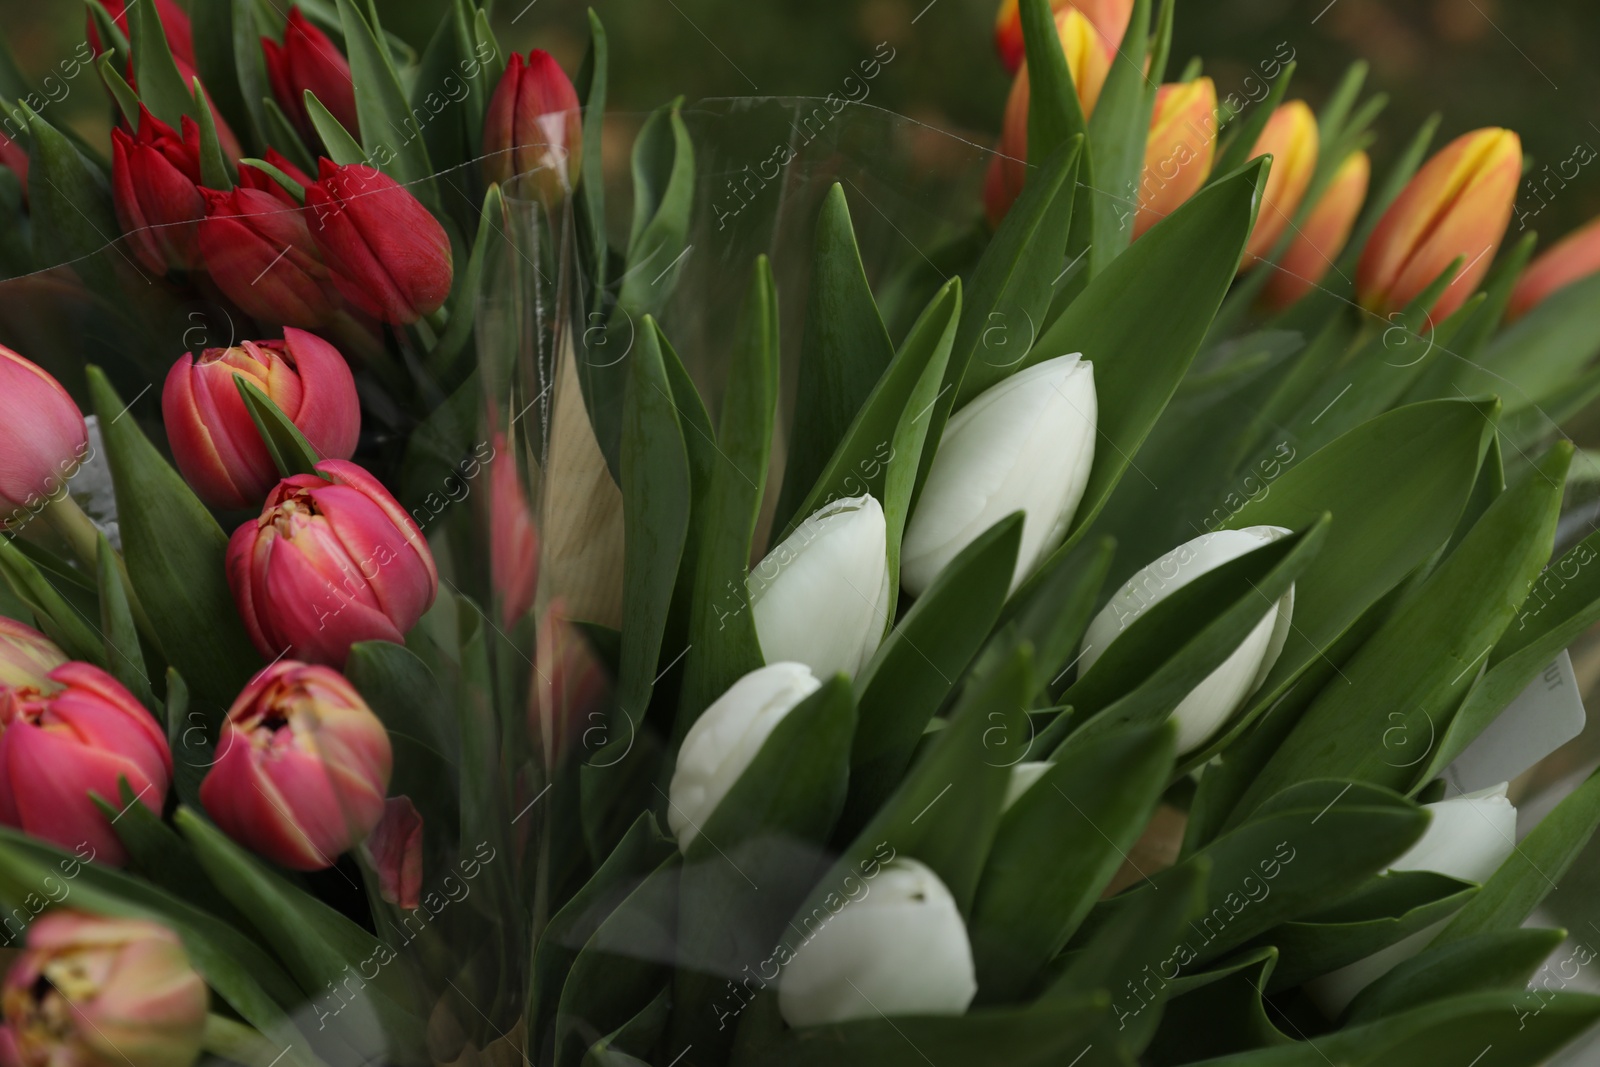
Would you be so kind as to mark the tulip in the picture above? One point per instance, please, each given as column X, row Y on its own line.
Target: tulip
column 332, row 560
column 174, row 23
column 215, row 442
column 725, row 739
column 1089, row 62
column 1179, row 151
column 822, row 597
column 255, row 178
column 1322, row 236
column 387, row 255
column 26, row 656
column 43, row 437
column 1109, row 18
column 308, row 60
column 513, row 540
column 1024, row 444
column 1572, row 259
column 1213, row 701
column 1290, row 138
column 394, row 850
column 568, row 692
column 259, row 251
column 302, row 767
column 77, row 734
column 155, row 186
column 901, row 949
column 93, row 991
column 1457, row 206
column 533, row 126
column 1468, row 838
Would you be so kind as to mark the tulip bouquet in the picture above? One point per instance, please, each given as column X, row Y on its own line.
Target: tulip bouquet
column 1146, row 692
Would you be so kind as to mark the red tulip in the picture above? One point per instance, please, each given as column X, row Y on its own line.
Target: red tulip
column 1311, row 253
column 388, row 256
column 1109, row 17
column 15, row 158
column 93, row 991
column 155, row 184
column 513, row 540
column 214, row 440
column 255, row 178
column 533, row 125
column 77, row 734
column 309, row 60
column 259, row 251
column 329, row 563
column 302, row 766
column 394, row 849
column 1457, row 205
column 26, row 656
column 174, row 22
column 43, row 437
column 1569, row 260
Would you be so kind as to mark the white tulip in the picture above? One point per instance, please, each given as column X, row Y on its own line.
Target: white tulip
column 1025, row 444
column 822, row 596
column 900, row 950
column 725, row 739
column 1214, row 700
column 1468, row 838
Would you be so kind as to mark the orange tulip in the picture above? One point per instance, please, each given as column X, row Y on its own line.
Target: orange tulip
column 1089, row 62
column 1179, row 151
column 1323, row 236
column 1571, row 259
column 1290, row 138
column 1109, row 18
column 1458, row 205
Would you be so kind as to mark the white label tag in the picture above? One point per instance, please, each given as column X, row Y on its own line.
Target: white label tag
column 1542, row 718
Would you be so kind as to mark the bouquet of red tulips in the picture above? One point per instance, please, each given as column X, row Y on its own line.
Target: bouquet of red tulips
column 1116, row 650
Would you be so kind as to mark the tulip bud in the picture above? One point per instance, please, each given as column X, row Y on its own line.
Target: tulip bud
column 43, row 437
column 1571, row 259
column 387, row 255
column 77, row 734
column 26, row 656
column 259, row 251
column 302, row 767
column 1457, row 206
column 174, row 23
column 822, row 597
column 1179, row 151
column 569, row 688
column 1323, row 235
column 331, row 561
column 91, row 991
column 1026, row 443
column 1224, row 691
column 215, row 442
column 1109, row 18
column 155, row 179
column 255, row 178
column 900, row 950
column 394, row 849
column 1089, row 62
column 1468, row 838
column 1290, row 138
column 725, row 739
column 533, row 125
column 15, row 158
column 308, row 60
column 513, row 539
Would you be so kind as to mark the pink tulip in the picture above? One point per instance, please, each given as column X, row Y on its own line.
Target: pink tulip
column 331, row 561
column 76, row 735
column 155, row 186
column 513, row 540
column 387, row 254
column 569, row 685
column 309, row 60
column 213, row 438
column 533, row 126
column 43, row 437
column 302, row 766
column 259, row 251
column 91, row 991
column 26, row 656
column 394, row 849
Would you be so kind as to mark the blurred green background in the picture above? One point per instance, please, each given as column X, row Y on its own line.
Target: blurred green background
column 1527, row 64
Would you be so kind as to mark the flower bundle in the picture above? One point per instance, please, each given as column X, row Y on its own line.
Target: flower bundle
column 1138, row 694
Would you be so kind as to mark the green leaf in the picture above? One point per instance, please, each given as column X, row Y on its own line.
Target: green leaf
column 291, row 453
column 637, row 1035
column 1499, row 960
column 58, row 618
column 1240, row 144
column 441, row 361
column 1055, row 116
column 381, row 108
column 1053, row 622
column 405, row 695
column 283, row 136
column 193, row 752
column 123, row 656
column 161, row 87
column 1118, row 130
column 1221, row 1011
column 724, row 644
column 1540, row 353
column 844, row 353
column 216, row 171
column 341, row 146
column 127, row 100
column 1058, row 846
column 175, row 556
column 591, row 186
column 69, row 206
column 161, row 856
column 235, row 87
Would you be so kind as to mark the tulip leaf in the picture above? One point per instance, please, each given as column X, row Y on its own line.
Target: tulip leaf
column 1057, row 848
column 161, row 856
column 340, row 144
column 403, row 692
column 918, row 665
column 127, row 100
column 1539, row 354
column 1239, row 145
column 120, row 636
column 592, row 86
column 234, row 76
column 161, row 87
column 1118, row 129
column 112, row 40
column 1460, row 371
column 70, row 209
column 215, row 169
column 175, row 557
column 1528, row 875
column 724, row 645
column 193, row 752
column 381, row 107
column 286, row 183
column 1220, row 1011
column 1499, row 960
column 283, row 136
column 442, row 119
column 291, row 453
column 1406, row 682
column 1054, row 620
column 636, row 1036
column 1056, row 121
column 844, row 356
column 62, row 622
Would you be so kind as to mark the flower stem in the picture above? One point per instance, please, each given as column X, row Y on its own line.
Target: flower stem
column 82, row 536
column 242, row 1044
